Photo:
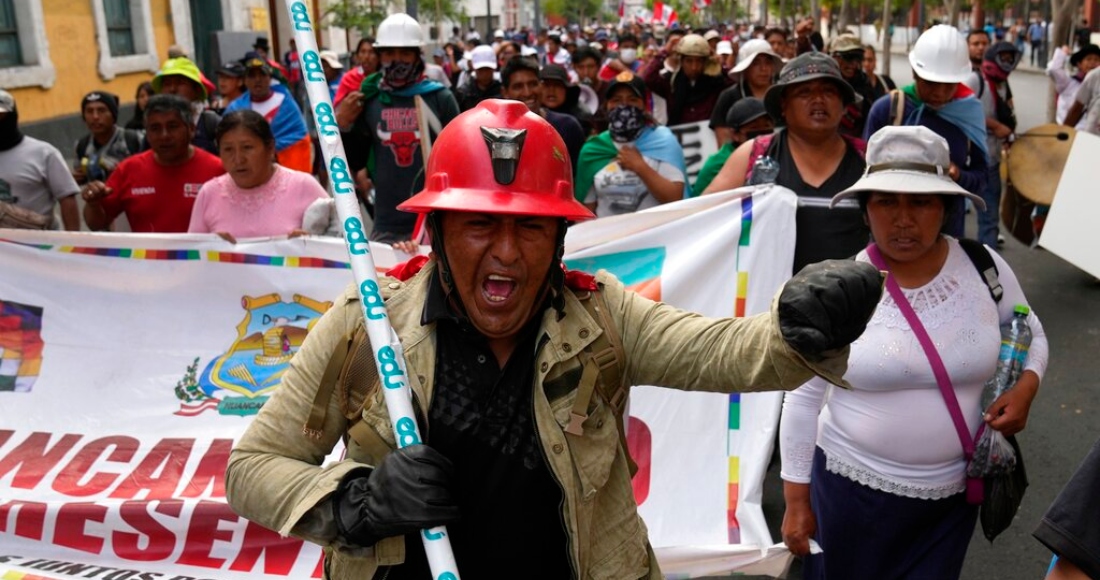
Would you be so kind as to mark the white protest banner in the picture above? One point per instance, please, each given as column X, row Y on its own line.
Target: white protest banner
column 129, row 365
column 701, row 456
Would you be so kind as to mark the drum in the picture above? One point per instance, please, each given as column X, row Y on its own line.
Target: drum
column 1036, row 160
column 1016, row 214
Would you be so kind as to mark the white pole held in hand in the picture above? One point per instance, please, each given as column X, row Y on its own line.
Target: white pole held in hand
column 388, row 354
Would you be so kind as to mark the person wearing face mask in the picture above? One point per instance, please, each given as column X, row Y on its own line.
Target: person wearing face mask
column 626, row 61
column 633, row 165
column 383, row 143
column 939, row 99
column 995, row 95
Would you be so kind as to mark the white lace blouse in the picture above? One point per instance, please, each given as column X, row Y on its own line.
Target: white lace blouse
column 892, row 431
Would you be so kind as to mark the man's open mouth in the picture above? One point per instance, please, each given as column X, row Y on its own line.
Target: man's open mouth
column 498, row 288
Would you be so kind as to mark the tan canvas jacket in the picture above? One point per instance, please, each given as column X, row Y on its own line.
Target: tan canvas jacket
column 275, row 476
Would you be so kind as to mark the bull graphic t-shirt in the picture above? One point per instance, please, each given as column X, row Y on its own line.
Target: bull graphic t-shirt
column 398, row 162
column 398, row 131
column 158, row 198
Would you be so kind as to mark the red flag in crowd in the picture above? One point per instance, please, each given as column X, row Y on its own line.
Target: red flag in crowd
column 664, row 14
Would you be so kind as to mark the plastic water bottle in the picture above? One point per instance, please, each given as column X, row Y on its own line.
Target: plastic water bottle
column 1015, row 341
column 764, row 170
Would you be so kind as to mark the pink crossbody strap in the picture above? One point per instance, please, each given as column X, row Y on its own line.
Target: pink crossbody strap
column 973, row 486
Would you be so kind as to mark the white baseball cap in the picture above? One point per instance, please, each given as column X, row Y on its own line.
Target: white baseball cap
column 331, row 58
column 483, row 56
column 724, row 47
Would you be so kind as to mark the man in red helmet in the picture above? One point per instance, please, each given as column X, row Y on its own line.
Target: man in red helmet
column 522, row 459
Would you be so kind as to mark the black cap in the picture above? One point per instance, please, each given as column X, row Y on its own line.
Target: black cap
column 627, row 79
column 555, row 72
column 254, row 60
column 232, row 69
column 745, row 111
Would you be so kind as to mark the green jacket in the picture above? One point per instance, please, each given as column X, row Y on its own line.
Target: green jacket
column 711, row 167
column 276, row 477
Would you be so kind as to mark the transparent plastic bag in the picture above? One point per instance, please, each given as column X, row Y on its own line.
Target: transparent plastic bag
column 993, row 455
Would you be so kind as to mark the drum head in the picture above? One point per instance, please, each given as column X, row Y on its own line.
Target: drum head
column 1037, row 158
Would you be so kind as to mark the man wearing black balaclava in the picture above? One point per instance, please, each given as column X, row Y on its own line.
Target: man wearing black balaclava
column 386, row 138
column 33, row 175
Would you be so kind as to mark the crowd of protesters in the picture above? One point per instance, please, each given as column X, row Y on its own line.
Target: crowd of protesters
column 609, row 91
column 238, row 156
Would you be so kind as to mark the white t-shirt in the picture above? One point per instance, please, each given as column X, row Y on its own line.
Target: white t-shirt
column 1089, row 96
column 616, row 190
column 892, row 431
column 33, row 176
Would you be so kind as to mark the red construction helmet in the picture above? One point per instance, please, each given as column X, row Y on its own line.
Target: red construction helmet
column 499, row 158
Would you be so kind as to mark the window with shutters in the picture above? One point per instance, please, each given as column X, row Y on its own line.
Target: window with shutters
column 24, row 52
column 120, row 34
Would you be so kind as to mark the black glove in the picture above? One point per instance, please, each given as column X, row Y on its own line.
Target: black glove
column 827, row 305
column 407, row 492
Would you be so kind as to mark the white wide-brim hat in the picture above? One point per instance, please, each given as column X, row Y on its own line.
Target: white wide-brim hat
column 748, row 53
column 907, row 160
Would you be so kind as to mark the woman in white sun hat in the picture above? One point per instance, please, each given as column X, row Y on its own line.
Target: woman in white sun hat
column 755, row 72
column 877, row 474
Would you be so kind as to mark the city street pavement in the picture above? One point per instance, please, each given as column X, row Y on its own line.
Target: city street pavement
column 1063, row 424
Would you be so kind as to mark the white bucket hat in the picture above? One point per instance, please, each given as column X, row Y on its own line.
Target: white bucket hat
column 749, row 51
column 907, row 160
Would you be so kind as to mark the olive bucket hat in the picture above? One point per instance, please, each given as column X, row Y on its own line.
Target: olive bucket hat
column 805, row 68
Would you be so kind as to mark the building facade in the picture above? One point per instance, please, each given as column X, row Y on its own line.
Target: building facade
column 53, row 52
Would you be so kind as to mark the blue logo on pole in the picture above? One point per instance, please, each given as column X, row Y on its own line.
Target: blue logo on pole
column 311, row 66
column 326, row 119
column 340, row 176
column 372, row 300
column 300, row 14
column 406, row 432
column 392, row 375
column 356, row 237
